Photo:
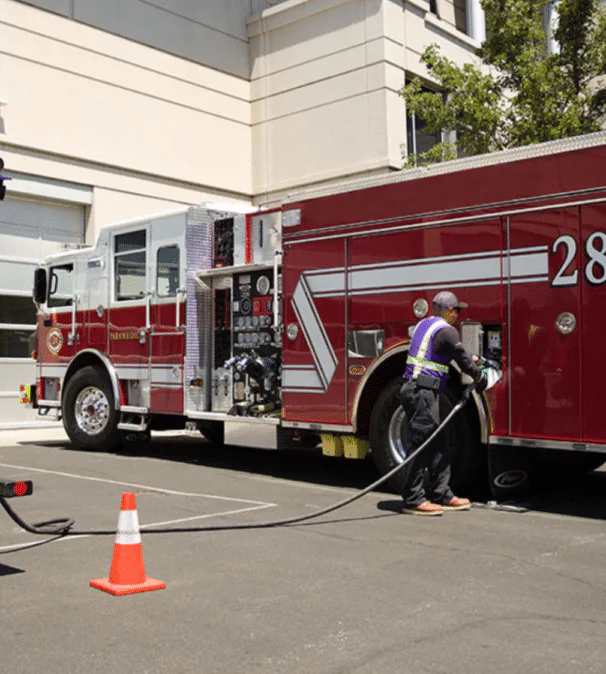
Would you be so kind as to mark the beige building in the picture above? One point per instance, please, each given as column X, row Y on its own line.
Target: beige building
column 111, row 109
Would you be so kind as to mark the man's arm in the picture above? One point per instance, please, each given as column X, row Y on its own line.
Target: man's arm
column 447, row 342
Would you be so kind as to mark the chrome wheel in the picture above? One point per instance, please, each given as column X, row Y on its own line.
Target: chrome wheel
column 92, row 410
column 398, row 426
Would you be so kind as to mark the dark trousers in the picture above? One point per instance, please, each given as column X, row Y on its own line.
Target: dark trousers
column 423, row 414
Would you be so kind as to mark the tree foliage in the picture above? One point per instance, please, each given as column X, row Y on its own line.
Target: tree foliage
column 522, row 94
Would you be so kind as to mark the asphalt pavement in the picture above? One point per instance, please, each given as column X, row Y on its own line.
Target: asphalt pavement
column 363, row 590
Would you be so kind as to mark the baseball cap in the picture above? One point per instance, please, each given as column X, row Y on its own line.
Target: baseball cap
column 447, row 300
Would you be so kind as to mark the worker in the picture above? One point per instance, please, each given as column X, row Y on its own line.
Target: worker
column 435, row 343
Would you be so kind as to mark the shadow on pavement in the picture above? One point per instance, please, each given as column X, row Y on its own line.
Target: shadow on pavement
column 303, row 465
column 6, row 570
column 558, row 489
column 563, row 492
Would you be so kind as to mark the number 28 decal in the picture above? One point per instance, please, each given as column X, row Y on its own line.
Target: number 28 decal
column 595, row 266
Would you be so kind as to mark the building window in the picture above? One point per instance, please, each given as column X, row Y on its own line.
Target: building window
column 418, row 140
column 17, row 326
column 460, row 15
column 167, row 271
column 130, row 265
column 433, row 7
column 61, row 286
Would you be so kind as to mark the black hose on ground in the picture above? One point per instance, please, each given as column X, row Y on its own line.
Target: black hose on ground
column 62, row 526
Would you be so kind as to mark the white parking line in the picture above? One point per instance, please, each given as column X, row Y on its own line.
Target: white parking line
column 21, row 546
column 137, row 486
column 202, row 517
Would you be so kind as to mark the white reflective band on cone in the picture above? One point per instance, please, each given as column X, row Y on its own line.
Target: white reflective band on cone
column 128, row 528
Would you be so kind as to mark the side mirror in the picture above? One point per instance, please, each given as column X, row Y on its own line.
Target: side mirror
column 40, row 286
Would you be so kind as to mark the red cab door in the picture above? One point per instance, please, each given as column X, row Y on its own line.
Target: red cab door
column 129, row 306
column 167, row 338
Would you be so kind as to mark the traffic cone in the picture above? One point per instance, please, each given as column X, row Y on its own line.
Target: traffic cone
column 127, row 572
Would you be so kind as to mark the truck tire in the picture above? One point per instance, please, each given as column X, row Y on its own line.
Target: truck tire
column 387, row 423
column 89, row 416
column 213, row 431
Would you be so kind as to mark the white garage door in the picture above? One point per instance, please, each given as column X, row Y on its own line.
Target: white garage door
column 30, row 229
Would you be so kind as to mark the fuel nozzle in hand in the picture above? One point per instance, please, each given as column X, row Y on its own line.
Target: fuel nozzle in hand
column 491, row 375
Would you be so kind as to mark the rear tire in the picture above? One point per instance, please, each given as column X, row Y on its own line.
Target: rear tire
column 386, row 433
column 89, row 416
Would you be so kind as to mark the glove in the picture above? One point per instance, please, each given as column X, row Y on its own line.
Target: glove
column 466, row 394
column 482, row 382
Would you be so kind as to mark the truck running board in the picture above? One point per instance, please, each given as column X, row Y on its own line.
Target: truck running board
column 133, row 422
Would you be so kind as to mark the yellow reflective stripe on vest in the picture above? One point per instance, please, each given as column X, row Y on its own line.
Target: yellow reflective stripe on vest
column 427, row 338
column 427, row 364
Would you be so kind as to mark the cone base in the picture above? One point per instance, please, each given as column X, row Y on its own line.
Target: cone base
column 118, row 590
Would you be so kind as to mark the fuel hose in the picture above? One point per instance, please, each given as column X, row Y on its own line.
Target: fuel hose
column 63, row 526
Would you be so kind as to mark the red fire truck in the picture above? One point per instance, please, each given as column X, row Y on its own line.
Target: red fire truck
column 289, row 326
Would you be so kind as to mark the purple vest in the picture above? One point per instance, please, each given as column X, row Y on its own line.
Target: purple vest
column 422, row 357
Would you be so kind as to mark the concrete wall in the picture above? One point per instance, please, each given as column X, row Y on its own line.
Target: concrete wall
column 209, row 32
column 316, row 98
column 325, row 81
column 145, row 129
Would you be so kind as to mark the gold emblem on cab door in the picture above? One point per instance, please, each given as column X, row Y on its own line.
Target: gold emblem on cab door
column 54, row 341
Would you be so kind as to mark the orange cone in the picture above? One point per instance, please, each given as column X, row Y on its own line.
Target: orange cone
column 127, row 572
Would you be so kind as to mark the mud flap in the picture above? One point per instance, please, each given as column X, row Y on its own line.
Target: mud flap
column 508, row 471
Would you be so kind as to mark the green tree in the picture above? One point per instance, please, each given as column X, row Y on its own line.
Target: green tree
column 523, row 94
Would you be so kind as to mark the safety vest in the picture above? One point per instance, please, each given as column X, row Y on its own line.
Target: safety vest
column 422, row 357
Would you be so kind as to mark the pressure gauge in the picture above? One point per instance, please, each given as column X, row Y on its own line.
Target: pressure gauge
column 263, row 285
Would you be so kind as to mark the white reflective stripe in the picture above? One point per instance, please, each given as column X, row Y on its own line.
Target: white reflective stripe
column 443, row 273
column 333, row 282
column 53, row 370
column 527, row 265
column 419, row 274
column 427, row 337
column 321, row 349
column 303, row 378
column 141, row 372
column 128, row 528
column 128, row 539
column 165, row 374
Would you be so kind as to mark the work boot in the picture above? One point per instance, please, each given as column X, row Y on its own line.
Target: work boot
column 426, row 508
column 457, row 503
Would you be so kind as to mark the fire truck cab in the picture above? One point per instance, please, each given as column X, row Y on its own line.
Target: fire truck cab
column 280, row 327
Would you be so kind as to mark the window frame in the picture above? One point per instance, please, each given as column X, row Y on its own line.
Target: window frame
column 19, row 327
column 68, row 304
column 412, row 131
column 115, row 298
column 170, row 295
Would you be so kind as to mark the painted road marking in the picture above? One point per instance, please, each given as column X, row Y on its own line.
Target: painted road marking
column 20, row 546
column 137, row 486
